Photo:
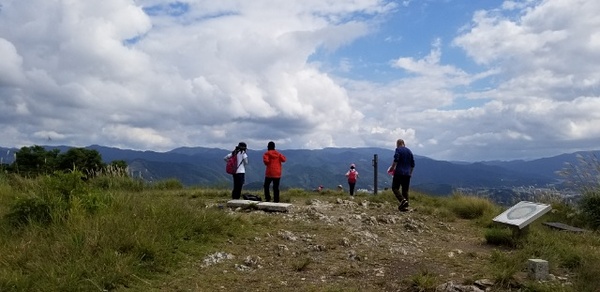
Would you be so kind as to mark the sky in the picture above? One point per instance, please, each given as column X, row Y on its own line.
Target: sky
column 458, row 80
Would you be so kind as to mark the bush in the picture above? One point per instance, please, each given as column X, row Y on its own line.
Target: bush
column 424, row 281
column 27, row 210
column 61, row 186
column 466, row 207
column 590, row 209
column 500, row 236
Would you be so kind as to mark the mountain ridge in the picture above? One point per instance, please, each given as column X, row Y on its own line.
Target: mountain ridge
column 309, row 168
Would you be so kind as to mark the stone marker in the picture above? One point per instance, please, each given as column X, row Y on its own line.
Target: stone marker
column 538, row 269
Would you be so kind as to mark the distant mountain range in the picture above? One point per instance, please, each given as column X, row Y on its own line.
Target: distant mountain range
column 307, row 169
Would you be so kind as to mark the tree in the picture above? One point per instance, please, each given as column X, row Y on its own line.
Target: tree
column 85, row 160
column 35, row 160
column 119, row 164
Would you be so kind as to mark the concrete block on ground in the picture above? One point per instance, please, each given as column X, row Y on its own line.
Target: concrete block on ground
column 241, row 203
column 274, row 207
column 538, row 269
column 562, row 226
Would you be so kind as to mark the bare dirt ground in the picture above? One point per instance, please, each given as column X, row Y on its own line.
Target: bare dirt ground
column 341, row 244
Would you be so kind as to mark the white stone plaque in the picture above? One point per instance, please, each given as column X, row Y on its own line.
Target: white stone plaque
column 522, row 214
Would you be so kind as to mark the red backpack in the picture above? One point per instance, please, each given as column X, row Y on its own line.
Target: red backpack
column 231, row 166
column 352, row 176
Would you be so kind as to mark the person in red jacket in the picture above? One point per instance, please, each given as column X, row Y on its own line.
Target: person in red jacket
column 272, row 159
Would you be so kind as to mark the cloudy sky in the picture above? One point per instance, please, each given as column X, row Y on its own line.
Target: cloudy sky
column 457, row 79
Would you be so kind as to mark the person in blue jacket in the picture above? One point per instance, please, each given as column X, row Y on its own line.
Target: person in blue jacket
column 402, row 169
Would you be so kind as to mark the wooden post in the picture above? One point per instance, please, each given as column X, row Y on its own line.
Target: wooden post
column 375, row 174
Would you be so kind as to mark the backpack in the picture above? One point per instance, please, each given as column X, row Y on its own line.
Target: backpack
column 231, row 166
column 251, row 197
column 352, row 176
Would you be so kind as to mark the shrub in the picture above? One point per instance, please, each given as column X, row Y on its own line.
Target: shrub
column 61, row 186
column 590, row 208
column 424, row 281
column 499, row 236
column 27, row 210
column 466, row 207
column 571, row 260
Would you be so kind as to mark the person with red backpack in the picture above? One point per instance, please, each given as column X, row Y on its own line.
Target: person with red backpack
column 239, row 159
column 352, row 176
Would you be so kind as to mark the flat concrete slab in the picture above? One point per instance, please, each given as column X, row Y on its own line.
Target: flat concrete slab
column 264, row 206
column 562, row 226
column 241, row 203
column 274, row 207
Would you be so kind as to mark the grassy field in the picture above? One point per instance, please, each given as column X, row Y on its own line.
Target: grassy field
column 62, row 233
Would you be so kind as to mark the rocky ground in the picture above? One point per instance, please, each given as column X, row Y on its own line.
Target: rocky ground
column 342, row 244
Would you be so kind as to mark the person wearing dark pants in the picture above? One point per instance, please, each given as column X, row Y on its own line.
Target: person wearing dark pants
column 352, row 175
column 272, row 160
column 402, row 169
column 238, row 183
column 267, row 187
column 240, row 173
column 400, row 185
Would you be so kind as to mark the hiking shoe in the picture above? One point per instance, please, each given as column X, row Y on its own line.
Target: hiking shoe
column 403, row 204
column 403, row 209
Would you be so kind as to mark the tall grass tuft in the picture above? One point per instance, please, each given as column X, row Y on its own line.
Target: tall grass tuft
column 423, row 281
column 500, row 236
column 505, row 267
column 467, row 207
column 167, row 184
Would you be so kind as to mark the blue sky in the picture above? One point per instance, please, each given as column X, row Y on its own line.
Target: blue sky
column 456, row 79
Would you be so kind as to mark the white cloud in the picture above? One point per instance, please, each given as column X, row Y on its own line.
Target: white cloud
column 157, row 75
column 119, row 76
column 10, row 67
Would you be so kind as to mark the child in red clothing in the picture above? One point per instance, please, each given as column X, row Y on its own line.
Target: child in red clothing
column 352, row 176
